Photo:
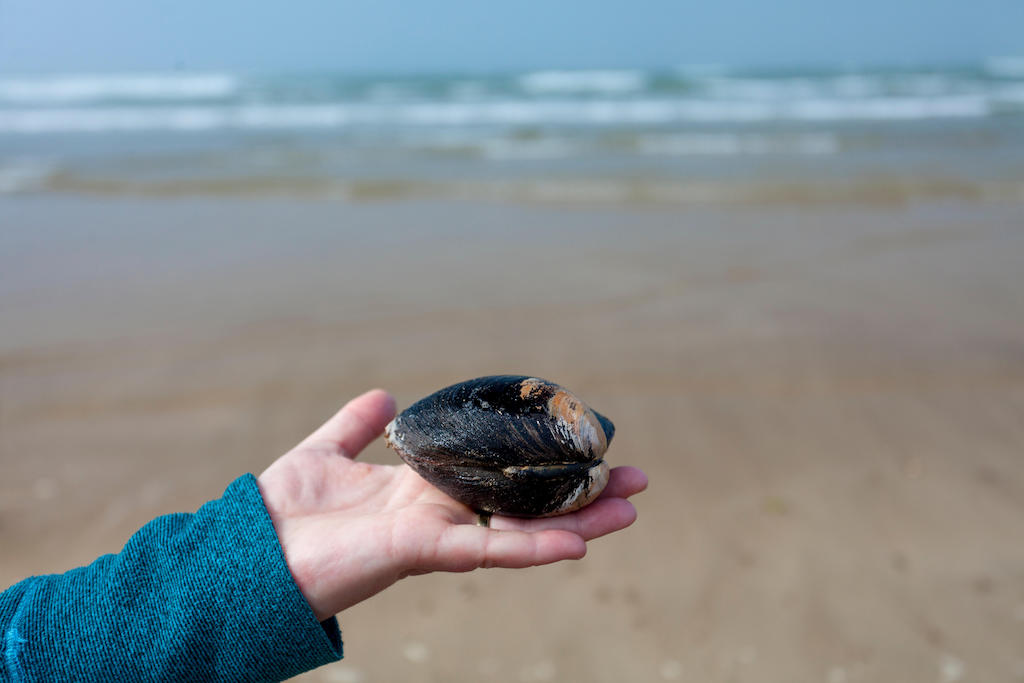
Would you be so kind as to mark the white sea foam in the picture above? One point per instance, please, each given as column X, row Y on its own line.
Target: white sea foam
column 597, row 112
column 889, row 108
column 730, row 144
column 856, row 85
column 69, row 89
column 607, row 82
column 173, row 119
column 851, row 86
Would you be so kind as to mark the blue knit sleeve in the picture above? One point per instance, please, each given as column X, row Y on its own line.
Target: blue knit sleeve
column 191, row 597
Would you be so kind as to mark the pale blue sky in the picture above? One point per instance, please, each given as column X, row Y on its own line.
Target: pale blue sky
column 406, row 35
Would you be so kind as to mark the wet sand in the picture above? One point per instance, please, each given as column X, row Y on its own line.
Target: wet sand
column 829, row 402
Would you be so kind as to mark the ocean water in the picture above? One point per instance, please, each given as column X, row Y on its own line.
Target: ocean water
column 697, row 134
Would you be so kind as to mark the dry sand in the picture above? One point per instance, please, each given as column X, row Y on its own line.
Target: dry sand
column 829, row 403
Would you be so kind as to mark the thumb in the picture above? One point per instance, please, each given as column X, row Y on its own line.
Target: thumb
column 359, row 422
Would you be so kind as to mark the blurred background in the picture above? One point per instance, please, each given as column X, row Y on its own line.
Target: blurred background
column 780, row 244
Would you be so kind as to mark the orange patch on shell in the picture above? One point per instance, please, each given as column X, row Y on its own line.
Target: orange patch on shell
column 529, row 387
column 566, row 407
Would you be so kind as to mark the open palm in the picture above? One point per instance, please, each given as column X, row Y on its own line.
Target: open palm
column 351, row 529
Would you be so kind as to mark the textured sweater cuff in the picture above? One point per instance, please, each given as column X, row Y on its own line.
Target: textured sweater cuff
column 275, row 624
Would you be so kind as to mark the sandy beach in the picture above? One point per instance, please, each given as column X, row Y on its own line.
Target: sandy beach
column 829, row 402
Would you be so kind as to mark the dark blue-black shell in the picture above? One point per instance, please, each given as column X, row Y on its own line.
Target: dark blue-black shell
column 506, row 444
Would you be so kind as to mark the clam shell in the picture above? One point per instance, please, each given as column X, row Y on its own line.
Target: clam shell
column 506, row 444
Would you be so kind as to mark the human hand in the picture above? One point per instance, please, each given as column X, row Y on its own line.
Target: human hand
column 349, row 529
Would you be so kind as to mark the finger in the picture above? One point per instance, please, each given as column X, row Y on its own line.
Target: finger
column 601, row 517
column 358, row 423
column 463, row 547
column 624, row 482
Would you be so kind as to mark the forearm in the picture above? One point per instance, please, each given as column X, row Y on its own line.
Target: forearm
column 191, row 596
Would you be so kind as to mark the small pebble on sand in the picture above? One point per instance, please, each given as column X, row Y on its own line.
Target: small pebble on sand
column 951, row 669
column 671, row 669
column 836, row 674
column 341, row 673
column 416, row 652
